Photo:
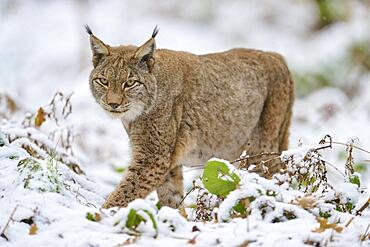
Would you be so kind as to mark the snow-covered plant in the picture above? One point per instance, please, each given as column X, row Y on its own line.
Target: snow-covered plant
column 40, row 175
column 299, row 190
column 54, row 140
column 142, row 218
column 306, row 170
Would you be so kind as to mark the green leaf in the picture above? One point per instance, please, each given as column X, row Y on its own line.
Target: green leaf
column 218, row 180
column 153, row 222
column 90, row 216
column 338, row 208
column 355, row 179
column 28, row 163
column 119, row 169
column 239, row 208
column 133, row 219
column 360, row 167
column 349, row 206
column 324, row 214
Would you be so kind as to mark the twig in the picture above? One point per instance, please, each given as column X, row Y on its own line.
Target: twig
column 2, row 234
column 358, row 212
column 333, row 166
column 268, row 160
column 322, row 147
column 365, row 235
column 187, row 194
column 346, row 145
column 194, row 168
column 255, row 156
column 350, row 221
column 366, row 204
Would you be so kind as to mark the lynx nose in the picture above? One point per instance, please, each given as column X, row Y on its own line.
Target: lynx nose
column 113, row 105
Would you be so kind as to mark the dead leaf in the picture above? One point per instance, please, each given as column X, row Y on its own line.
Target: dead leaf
column 12, row 106
column 129, row 241
column 306, row 202
column 324, row 225
column 40, row 117
column 246, row 243
column 33, row 229
column 183, row 213
column 192, row 241
column 97, row 217
column 76, row 168
column 30, row 150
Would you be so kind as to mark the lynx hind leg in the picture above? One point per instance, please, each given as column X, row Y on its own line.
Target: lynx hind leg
column 275, row 121
column 171, row 191
column 284, row 133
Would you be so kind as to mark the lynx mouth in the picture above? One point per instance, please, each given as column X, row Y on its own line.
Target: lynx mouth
column 113, row 111
column 116, row 113
column 129, row 112
column 119, row 111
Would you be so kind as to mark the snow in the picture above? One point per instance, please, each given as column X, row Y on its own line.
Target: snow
column 45, row 50
column 57, row 200
column 347, row 192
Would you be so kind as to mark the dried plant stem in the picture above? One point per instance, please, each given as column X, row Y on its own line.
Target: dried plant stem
column 366, row 234
column 2, row 234
column 187, row 194
column 194, row 168
column 346, row 145
column 358, row 212
column 333, row 166
column 323, row 147
column 366, row 204
column 350, row 221
column 255, row 156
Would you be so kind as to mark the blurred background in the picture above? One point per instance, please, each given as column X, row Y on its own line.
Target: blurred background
column 44, row 49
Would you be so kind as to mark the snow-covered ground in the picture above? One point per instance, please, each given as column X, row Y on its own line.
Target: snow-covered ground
column 45, row 50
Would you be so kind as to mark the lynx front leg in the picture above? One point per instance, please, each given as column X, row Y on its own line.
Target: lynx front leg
column 138, row 183
column 171, row 191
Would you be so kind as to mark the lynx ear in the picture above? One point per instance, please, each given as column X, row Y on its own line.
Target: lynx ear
column 98, row 48
column 145, row 53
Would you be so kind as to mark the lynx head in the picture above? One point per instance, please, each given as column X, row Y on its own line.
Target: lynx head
column 122, row 79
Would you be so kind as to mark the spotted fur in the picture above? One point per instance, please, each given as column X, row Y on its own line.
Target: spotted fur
column 182, row 109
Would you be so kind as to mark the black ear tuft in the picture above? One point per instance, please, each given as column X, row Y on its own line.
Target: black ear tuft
column 88, row 30
column 155, row 31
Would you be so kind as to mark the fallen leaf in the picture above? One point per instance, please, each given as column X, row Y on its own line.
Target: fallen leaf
column 183, row 213
column 246, row 243
column 306, row 202
column 324, row 225
column 33, row 229
column 192, row 241
column 11, row 105
column 128, row 241
column 40, row 117
column 97, row 217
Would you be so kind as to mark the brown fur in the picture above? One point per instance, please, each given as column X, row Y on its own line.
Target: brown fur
column 184, row 109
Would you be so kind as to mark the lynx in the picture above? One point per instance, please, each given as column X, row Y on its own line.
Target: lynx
column 181, row 109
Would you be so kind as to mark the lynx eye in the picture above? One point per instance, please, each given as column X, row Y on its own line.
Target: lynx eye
column 101, row 81
column 131, row 83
